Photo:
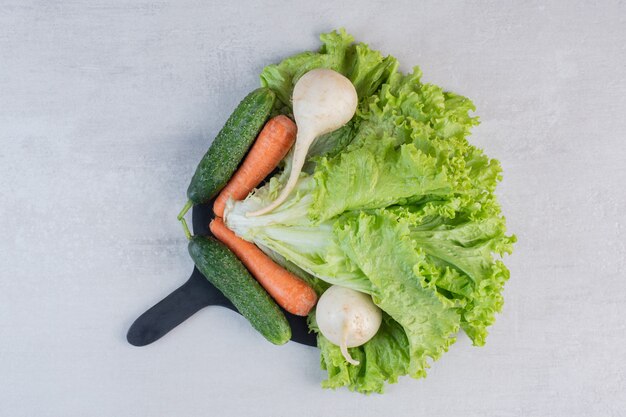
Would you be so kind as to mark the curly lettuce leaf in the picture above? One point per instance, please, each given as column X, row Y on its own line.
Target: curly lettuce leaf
column 462, row 262
column 397, row 204
column 394, row 175
column 429, row 321
column 411, row 144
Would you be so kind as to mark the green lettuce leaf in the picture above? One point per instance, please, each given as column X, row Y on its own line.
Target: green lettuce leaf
column 396, row 204
column 381, row 246
column 395, row 175
column 461, row 261
column 411, row 144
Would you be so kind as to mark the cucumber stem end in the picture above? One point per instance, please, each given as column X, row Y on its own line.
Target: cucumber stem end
column 185, row 209
column 185, row 228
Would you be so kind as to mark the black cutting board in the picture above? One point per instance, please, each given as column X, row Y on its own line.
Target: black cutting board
column 194, row 295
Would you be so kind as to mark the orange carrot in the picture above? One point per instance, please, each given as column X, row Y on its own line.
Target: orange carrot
column 288, row 290
column 272, row 144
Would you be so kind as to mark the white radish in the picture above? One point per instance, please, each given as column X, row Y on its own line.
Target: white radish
column 347, row 318
column 323, row 101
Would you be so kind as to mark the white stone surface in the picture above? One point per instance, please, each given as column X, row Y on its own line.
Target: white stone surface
column 105, row 109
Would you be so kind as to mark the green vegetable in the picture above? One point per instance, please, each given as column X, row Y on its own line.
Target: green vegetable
column 403, row 209
column 229, row 147
column 222, row 268
column 429, row 320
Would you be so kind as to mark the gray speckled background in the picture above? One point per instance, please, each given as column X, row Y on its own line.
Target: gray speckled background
column 107, row 106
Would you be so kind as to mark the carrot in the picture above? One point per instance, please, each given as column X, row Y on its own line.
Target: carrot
column 288, row 290
column 270, row 147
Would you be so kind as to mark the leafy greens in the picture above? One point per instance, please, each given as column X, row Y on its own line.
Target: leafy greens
column 397, row 204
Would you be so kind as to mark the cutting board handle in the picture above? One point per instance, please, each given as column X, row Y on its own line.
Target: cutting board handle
column 182, row 303
column 194, row 295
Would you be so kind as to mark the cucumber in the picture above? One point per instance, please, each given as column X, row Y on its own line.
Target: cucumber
column 222, row 268
column 230, row 145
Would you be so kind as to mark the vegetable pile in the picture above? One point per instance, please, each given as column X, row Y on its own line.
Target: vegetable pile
column 396, row 204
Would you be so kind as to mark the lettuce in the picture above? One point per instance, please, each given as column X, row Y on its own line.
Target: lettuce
column 382, row 248
column 289, row 232
column 397, row 204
